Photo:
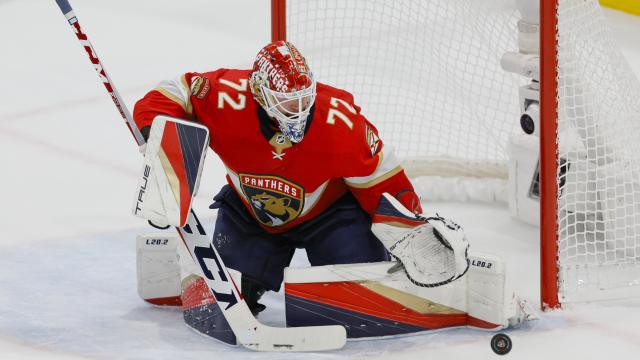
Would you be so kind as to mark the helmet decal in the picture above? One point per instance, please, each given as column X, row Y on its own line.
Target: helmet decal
column 283, row 85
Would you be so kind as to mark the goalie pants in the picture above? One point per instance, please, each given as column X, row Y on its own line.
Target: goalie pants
column 340, row 235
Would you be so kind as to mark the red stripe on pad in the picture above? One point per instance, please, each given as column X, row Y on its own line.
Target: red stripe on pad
column 355, row 297
column 173, row 150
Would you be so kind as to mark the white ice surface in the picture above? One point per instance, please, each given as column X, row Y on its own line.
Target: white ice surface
column 67, row 250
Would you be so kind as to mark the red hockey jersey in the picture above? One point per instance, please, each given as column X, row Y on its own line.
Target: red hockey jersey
column 282, row 183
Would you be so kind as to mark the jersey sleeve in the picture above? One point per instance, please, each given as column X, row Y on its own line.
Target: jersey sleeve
column 375, row 170
column 170, row 97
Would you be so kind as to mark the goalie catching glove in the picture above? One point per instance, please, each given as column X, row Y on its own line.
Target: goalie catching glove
column 432, row 249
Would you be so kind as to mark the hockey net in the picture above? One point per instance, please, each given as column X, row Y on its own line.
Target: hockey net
column 428, row 74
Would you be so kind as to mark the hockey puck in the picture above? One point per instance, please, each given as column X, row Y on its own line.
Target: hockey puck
column 501, row 344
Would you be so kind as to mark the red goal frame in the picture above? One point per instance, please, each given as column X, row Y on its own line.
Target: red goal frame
column 548, row 154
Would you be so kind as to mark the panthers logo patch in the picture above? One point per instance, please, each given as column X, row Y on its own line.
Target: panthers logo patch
column 199, row 87
column 274, row 200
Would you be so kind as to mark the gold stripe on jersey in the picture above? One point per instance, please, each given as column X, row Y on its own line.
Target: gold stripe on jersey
column 183, row 80
column 375, row 181
column 177, row 91
column 387, row 167
column 235, row 180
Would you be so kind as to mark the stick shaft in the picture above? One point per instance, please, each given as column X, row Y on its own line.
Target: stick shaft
column 67, row 10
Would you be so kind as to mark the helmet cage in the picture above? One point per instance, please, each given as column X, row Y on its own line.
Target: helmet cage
column 290, row 109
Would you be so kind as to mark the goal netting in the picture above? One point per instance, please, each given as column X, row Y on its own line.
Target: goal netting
column 598, row 139
column 427, row 73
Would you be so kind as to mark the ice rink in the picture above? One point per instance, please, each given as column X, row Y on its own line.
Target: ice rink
column 69, row 170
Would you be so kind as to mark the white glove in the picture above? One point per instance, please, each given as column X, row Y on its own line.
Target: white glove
column 432, row 249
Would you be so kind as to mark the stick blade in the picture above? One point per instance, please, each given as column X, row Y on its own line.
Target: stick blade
column 259, row 337
column 296, row 339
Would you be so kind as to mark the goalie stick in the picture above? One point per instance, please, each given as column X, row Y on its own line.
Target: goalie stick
column 248, row 331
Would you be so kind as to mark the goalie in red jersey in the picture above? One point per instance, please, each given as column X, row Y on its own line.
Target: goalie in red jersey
column 305, row 168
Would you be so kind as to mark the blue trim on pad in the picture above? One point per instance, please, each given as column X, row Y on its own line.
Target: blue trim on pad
column 192, row 142
column 303, row 312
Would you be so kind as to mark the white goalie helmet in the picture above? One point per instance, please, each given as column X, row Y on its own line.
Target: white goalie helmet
column 284, row 86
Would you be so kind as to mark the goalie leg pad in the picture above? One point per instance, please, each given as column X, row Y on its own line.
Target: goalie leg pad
column 158, row 269
column 370, row 302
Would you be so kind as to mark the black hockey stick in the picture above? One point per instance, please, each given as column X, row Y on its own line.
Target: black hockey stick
column 248, row 331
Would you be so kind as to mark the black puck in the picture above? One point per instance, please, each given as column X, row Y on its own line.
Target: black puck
column 501, row 344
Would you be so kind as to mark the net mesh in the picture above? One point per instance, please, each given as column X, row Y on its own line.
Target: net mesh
column 427, row 74
column 599, row 150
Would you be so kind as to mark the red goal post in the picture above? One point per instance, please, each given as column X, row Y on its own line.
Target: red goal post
column 548, row 155
column 278, row 20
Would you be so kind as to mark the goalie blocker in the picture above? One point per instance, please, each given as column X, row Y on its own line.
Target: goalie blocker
column 173, row 161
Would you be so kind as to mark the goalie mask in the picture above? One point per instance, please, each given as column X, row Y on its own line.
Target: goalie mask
column 284, row 86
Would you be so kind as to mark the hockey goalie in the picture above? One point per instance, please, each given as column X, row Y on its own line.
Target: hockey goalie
column 305, row 170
